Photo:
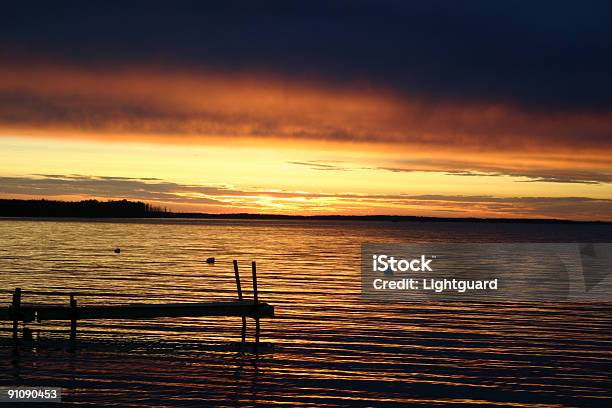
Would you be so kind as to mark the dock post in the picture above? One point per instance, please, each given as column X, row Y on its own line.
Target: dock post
column 73, row 317
column 16, row 307
column 239, row 289
column 256, row 302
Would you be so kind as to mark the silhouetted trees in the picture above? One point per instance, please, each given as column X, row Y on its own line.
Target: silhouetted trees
column 86, row 208
column 137, row 209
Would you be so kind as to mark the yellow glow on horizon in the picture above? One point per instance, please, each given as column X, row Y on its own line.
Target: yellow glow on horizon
column 261, row 172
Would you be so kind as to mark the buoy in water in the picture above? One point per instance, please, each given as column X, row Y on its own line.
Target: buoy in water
column 117, row 250
column 210, row 260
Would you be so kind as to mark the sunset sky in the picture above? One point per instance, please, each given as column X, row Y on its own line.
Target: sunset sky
column 460, row 109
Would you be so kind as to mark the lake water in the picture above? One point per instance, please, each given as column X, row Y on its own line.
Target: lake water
column 328, row 347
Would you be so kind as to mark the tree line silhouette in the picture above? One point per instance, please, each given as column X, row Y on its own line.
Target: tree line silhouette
column 85, row 208
column 138, row 209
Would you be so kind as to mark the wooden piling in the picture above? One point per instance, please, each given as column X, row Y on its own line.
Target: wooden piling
column 16, row 311
column 254, row 269
column 73, row 317
column 237, row 274
column 239, row 290
column 256, row 303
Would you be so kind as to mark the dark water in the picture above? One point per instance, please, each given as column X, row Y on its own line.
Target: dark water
column 328, row 347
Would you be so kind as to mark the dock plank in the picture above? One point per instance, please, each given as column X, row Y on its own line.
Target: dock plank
column 140, row 311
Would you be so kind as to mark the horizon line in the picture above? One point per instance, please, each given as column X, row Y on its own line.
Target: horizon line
column 155, row 212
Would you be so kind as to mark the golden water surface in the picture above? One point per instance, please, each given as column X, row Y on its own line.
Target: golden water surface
column 326, row 345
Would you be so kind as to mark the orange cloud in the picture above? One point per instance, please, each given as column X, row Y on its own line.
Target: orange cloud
column 199, row 107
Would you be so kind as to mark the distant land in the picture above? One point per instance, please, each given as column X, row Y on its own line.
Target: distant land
column 15, row 208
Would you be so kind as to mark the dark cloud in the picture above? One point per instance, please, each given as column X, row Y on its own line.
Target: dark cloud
column 179, row 108
column 319, row 165
column 466, row 169
column 42, row 185
column 543, row 55
column 532, row 174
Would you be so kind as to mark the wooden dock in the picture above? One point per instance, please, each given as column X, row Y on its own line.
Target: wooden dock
column 21, row 312
column 28, row 313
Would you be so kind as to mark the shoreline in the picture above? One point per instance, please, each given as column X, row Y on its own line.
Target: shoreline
column 342, row 218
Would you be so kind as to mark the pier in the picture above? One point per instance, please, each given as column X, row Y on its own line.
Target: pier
column 71, row 311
